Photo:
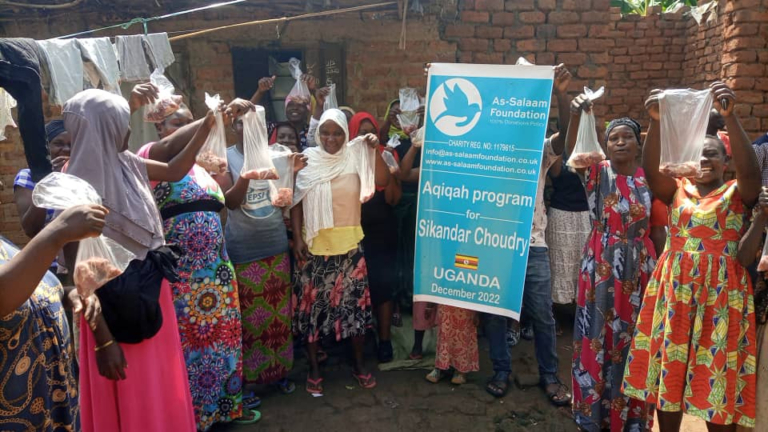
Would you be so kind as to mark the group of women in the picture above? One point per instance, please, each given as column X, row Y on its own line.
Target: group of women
column 672, row 333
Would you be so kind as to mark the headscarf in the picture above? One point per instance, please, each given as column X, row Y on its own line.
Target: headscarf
column 313, row 183
column 54, row 129
column 394, row 130
column 357, row 121
column 624, row 121
column 99, row 123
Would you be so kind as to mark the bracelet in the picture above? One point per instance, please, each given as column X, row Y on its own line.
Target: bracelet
column 106, row 344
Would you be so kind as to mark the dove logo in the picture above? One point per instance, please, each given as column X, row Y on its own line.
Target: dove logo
column 455, row 107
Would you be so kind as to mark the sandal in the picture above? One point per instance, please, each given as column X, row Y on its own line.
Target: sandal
column 249, row 417
column 459, row 378
column 251, row 401
column 435, row 376
column 560, row 397
column 314, row 386
column 365, row 381
column 498, row 385
column 285, row 386
column 527, row 332
column 513, row 337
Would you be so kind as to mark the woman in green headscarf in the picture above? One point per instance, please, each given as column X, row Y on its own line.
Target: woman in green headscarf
column 405, row 212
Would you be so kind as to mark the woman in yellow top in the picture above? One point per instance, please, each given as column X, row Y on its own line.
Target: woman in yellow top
column 331, row 282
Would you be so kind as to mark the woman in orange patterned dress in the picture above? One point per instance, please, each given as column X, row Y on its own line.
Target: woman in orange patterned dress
column 456, row 344
column 694, row 345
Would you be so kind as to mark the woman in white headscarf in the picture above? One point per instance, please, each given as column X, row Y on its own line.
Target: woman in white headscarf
column 331, row 283
column 154, row 393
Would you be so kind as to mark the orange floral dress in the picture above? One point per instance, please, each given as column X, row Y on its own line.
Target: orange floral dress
column 456, row 340
column 694, row 345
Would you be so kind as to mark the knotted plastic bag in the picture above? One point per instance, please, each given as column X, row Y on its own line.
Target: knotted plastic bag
column 300, row 92
column 99, row 259
column 281, row 190
column 166, row 103
column 213, row 154
column 409, row 106
column 331, row 102
column 587, row 150
column 684, row 118
column 394, row 141
column 417, row 138
column 258, row 163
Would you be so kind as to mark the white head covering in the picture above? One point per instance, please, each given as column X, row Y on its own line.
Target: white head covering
column 99, row 122
column 313, row 183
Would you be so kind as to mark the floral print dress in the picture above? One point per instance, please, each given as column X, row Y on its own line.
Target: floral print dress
column 618, row 260
column 206, row 300
column 695, row 347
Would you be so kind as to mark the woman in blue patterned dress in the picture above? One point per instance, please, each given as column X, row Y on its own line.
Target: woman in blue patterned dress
column 207, row 305
column 37, row 366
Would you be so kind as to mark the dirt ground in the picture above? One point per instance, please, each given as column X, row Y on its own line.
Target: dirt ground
column 405, row 401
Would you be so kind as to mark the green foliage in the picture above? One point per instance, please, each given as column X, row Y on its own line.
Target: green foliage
column 641, row 6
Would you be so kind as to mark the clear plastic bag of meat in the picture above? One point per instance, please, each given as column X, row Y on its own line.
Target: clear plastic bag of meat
column 392, row 164
column 684, row 118
column 409, row 106
column 166, row 103
column 213, row 155
column 587, row 150
column 281, row 189
column 258, row 163
column 417, row 138
column 99, row 259
column 331, row 102
column 300, row 92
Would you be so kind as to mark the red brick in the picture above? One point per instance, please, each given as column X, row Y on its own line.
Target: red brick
column 502, row 45
column 745, row 70
column 750, row 124
column 465, row 57
column 489, row 5
column 599, row 31
column 459, row 30
column 485, row 32
column 743, row 42
column 488, row 58
column 741, row 83
column 475, row 17
column 534, row 17
column 739, row 57
column 657, row 74
column 625, row 26
column 531, row 45
column 545, row 58
column 546, row 31
column 562, row 45
column 747, row 29
column 546, row 4
column 599, row 58
column 580, row 5
column 596, row 45
column 562, row 18
column 471, row 44
column 514, row 5
column 572, row 31
column 741, row 4
column 467, row 4
column 618, row 51
column 592, row 72
column 639, row 75
column 504, row 18
column 601, row 4
column 748, row 96
column 519, row 32
column 761, row 84
column 749, row 16
column 572, row 59
column 596, row 17
column 622, row 59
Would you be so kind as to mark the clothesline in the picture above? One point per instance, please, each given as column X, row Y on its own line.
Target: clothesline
column 284, row 19
column 144, row 21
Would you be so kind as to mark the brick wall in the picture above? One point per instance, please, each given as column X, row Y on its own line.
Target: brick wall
column 630, row 55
